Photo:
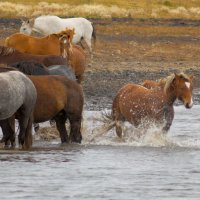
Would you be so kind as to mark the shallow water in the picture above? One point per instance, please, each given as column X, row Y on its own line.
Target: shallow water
column 148, row 167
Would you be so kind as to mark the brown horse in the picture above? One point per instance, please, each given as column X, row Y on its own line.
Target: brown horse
column 50, row 45
column 60, row 99
column 10, row 55
column 135, row 103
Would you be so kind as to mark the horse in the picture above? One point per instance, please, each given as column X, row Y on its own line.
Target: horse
column 46, row 25
column 9, row 55
column 62, row 70
column 60, row 99
column 67, row 51
column 31, row 68
column 18, row 97
column 34, row 68
column 136, row 103
column 50, row 45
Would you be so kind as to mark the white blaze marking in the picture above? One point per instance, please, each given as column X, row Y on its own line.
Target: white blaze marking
column 65, row 41
column 191, row 103
column 64, row 54
column 187, row 84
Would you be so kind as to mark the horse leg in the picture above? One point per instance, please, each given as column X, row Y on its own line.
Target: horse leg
column 168, row 116
column 118, row 128
column 23, row 119
column 36, row 126
column 88, row 42
column 81, row 43
column 75, row 132
column 28, row 135
column 60, row 124
column 8, row 129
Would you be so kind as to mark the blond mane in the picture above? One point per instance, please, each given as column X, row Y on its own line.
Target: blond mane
column 67, row 32
column 5, row 51
column 169, row 79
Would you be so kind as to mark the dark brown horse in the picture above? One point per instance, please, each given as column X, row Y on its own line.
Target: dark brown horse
column 60, row 99
column 10, row 55
column 134, row 103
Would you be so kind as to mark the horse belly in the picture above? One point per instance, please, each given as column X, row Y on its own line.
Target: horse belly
column 47, row 108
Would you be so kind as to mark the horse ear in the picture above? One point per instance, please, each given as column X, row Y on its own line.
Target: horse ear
column 176, row 76
column 191, row 77
column 31, row 21
column 22, row 21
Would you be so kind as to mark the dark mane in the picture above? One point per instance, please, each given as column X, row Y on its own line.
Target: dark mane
column 5, row 51
column 31, row 68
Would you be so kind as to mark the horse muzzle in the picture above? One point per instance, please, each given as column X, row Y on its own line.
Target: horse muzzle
column 189, row 105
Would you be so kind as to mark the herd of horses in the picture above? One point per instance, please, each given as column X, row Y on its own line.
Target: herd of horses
column 40, row 80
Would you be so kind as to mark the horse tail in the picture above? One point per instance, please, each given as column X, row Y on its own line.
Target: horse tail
column 107, row 119
column 108, row 124
column 94, row 33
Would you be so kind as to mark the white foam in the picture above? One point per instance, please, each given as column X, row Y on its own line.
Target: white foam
column 94, row 132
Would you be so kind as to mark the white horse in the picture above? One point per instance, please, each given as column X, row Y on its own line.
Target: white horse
column 46, row 25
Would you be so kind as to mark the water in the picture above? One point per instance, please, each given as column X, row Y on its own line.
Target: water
column 147, row 167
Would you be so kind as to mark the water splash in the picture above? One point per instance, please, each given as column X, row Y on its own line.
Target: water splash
column 95, row 133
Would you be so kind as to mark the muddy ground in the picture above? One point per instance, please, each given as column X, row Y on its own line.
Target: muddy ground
column 132, row 50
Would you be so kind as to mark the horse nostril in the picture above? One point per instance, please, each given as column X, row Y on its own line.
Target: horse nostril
column 188, row 105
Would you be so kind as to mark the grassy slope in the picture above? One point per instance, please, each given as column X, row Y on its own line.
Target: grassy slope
column 104, row 8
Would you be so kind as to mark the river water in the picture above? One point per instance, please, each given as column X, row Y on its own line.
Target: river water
column 151, row 166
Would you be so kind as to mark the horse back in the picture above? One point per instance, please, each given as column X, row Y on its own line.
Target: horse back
column 18, row 41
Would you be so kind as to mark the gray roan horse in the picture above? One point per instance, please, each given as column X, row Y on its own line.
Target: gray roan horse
column 17, row 97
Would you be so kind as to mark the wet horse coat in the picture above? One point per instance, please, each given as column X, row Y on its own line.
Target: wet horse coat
column 135, row 103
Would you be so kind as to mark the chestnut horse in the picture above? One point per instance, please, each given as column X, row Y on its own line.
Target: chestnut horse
column 50, row 45
column 134, row 103
column 67, row 51
column 9, row 55
column 18, row 95
column 60, row 99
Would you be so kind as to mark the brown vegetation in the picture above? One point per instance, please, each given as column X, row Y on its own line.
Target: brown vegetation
column 103, row 9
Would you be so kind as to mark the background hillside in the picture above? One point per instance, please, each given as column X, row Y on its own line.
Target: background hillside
column 103, row 8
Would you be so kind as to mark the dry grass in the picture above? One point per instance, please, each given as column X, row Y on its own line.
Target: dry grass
column 103, row 8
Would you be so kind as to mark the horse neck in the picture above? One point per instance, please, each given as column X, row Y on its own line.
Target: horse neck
column 170, row 96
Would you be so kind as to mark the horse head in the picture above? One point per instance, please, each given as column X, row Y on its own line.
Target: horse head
column 182, row 86
column 27, row 26
column 65, row 37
